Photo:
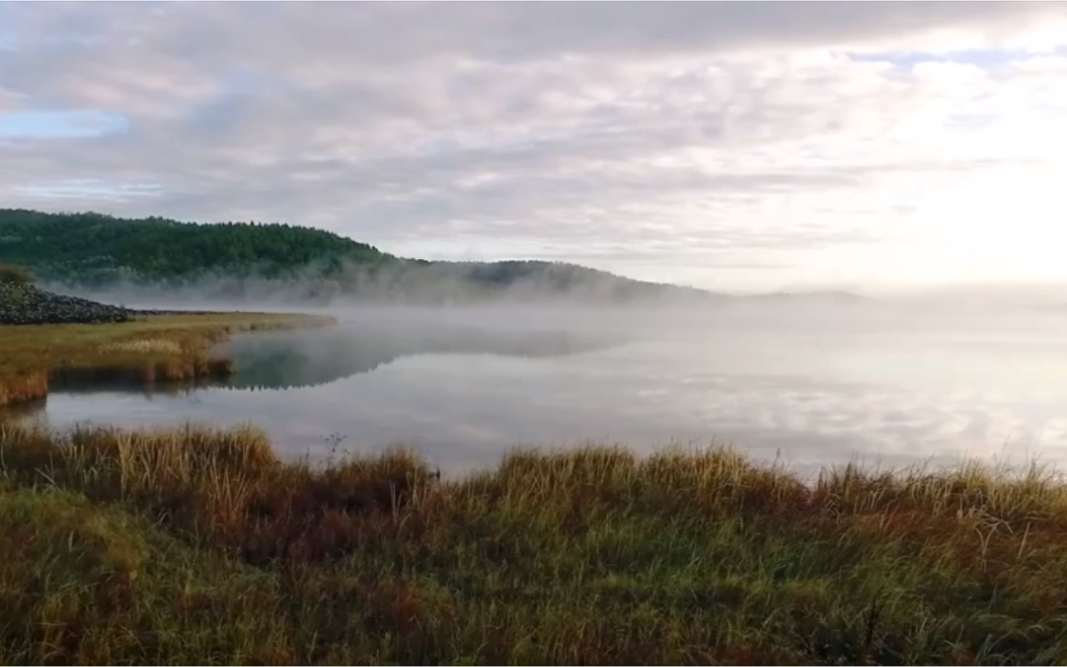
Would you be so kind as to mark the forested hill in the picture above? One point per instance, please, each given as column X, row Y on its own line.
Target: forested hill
column 95, row 251
column 93, row 248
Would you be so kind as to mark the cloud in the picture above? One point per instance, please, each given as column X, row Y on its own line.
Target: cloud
column 801, row 141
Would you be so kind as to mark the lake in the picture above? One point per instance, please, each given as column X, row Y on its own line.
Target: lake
column 809, row 386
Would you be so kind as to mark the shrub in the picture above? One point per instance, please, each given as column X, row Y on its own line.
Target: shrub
column 12, row 274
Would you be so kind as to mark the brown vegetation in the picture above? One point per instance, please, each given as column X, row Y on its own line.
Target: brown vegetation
column 195, row 545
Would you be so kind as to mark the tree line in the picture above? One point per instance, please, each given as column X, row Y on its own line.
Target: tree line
column 93, row 248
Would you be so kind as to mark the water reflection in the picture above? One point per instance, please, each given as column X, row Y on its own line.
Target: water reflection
column 813, row 391
column 301, row 359
column 292, row 360
column 23, row 411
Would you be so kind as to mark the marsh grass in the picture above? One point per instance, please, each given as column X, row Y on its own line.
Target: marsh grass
column 159, row 348
column 144, row 345
column 199, row 545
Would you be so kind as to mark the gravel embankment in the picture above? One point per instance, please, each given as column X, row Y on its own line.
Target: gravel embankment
column 25, row 304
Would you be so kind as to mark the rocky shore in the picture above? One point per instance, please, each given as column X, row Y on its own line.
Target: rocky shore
column 26, row 304
column 23, row 303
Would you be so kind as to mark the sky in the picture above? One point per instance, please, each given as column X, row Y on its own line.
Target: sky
column 734, row 146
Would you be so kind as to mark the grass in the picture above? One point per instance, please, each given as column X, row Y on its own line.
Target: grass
column 148, row 349
column 199, row 546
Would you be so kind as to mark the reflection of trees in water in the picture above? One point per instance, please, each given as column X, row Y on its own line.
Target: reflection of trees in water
column 22, row 410
column 286, row 364
column 291, row 360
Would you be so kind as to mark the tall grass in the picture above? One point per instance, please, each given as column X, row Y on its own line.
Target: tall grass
column 198, row 545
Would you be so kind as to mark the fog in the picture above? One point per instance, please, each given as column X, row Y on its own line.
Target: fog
column 464, row 374
column 587, row 304
column 409, row 283
column 810, row 380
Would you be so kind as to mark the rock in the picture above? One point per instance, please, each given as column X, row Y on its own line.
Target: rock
column 22, row 303
column 25, row 304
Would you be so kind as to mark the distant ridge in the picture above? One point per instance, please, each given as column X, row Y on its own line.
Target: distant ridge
column 88, row 252
column 826, row 295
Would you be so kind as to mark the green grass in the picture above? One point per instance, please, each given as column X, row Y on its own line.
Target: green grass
column 195, row 545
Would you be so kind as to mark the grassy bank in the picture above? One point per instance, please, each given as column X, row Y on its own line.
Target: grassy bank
column 149, row 348
column 198, row 546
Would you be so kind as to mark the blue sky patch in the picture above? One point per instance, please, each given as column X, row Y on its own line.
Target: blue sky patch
column 984, row 58
column 83, row 189
column 79, row 123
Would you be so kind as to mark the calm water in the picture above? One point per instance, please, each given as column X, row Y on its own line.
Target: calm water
column 810, row 388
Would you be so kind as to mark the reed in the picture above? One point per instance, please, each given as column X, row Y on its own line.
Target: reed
column 200, row 545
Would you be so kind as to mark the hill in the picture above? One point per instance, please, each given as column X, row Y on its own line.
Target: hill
column 96, row 249
column 87, row 252
column 90, row 251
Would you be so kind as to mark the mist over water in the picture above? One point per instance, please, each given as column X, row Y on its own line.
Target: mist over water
column 814, row 384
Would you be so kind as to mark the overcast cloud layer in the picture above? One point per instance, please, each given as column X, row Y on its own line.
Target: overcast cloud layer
column 738, row 146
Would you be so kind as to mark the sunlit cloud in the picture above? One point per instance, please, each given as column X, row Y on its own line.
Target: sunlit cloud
column 727, row 145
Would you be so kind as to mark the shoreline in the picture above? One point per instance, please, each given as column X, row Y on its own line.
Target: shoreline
column 162, row 345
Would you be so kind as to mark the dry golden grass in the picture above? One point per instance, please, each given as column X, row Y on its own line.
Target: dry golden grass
column 164, row 347
column 199, row 545
column 146, row 345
